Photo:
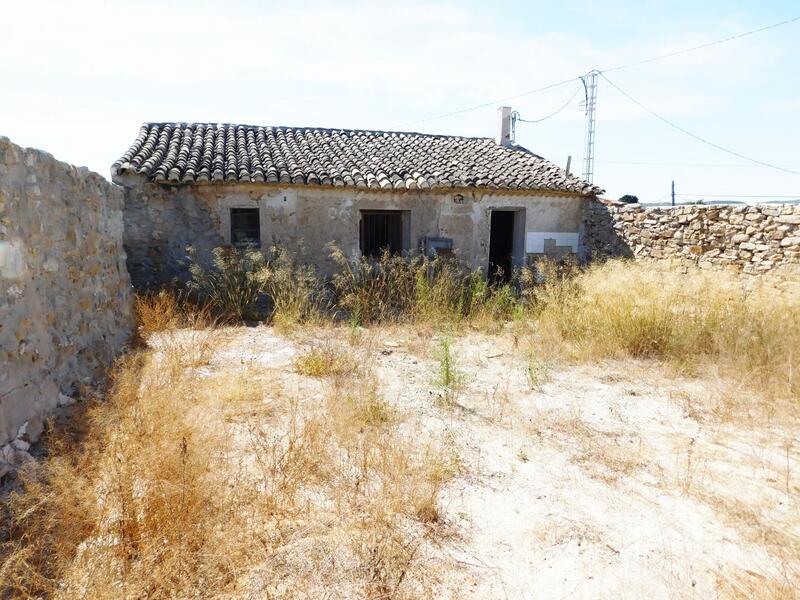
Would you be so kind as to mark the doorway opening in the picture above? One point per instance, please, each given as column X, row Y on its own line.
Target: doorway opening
column 502, row 245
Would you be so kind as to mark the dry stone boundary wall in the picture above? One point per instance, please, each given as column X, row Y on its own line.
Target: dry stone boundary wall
column 65, row 294
column 753, row 239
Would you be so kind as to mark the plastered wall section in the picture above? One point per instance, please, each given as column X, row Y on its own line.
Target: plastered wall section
column 161, row 221
column 65, row 294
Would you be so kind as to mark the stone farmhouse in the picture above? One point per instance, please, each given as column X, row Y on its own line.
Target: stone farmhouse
column 488, row 201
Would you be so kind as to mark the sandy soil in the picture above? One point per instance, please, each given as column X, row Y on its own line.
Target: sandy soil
column 598, row 481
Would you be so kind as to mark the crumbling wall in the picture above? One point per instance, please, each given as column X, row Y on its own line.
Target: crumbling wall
column 754, row 238
column 162, row 220
column 65, row 294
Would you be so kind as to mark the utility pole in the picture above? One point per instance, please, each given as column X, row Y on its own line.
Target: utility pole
column 590, row 86
column 673, row 193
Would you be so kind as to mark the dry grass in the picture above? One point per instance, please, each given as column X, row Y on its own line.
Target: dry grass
column 749, row 585
column 327, row 360
column 187, row 482
column 607, row 456
column 694, row 319
column 168, row 309
column 175, row 490
column 134, row 508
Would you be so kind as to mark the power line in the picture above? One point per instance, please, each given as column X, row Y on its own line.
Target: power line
column 676, row 164
column 738, row 196
column 701, row 46
column 491, row 102
column 617, row 68
column 553, row 114
column 690, row 134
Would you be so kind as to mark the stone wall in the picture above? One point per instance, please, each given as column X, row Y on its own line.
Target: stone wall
column 162, row 220
column 753, row 238
column 65, row 295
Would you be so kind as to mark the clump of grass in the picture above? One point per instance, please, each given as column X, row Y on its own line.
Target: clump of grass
column 235, row 388
column 536, row 371
column 297, row 294
column 373, row 290
column 604, row 455
column 361, row 407
column 232, row 283
column 326, row 361
column 448, row 378
column 354, row 335
column 168, row 309
column 156, row 311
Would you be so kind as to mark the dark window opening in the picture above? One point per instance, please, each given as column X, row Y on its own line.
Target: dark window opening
column 245, row 228
column 381, row 230
column 501, row 245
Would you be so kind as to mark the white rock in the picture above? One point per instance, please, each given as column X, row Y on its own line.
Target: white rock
column 64, row 400
column 21, row 445
column 31, row 430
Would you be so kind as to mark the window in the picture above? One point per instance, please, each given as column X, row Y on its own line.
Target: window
column 245, row 228
column 381, row 230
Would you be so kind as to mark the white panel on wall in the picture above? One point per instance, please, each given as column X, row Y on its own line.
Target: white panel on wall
column 534, row 240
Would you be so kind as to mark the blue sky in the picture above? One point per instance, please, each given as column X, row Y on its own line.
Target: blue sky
column 84, row 74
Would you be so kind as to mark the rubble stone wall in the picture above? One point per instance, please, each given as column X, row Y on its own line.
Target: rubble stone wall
column 65, row 294
column 754, row 239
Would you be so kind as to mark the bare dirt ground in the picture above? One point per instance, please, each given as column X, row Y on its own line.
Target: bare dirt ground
column 611, row 480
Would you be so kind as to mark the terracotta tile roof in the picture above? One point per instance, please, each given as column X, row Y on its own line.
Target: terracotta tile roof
column 184, row 153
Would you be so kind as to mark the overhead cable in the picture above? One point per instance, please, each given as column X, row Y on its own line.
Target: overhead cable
column 617, row 68
column 693, row 135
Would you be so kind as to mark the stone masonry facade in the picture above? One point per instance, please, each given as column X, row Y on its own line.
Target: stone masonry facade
column 65, row 294
column 161, row 221
column 754, row 239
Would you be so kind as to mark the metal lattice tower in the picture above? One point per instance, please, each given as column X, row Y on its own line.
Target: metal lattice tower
column 590, row 84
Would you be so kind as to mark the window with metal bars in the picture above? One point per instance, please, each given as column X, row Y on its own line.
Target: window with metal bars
column 381, row 230
column 245, row 228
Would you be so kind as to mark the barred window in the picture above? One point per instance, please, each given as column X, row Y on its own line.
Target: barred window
column 381, row 230
column 245, row 228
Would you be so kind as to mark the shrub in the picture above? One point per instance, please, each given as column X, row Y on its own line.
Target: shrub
column 297, row 294
column 233, row 283
column 416, row 288
column 374, row 290
column 156, row 311
column 169, row 309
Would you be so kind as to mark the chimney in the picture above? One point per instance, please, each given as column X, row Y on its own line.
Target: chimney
column 504, row 132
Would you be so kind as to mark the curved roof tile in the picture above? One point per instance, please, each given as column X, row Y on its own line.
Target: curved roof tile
column 185, row 153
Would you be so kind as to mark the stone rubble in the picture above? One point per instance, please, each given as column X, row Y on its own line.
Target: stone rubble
column 751, row 238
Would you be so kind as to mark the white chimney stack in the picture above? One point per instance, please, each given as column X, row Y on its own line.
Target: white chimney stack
column 504, row 132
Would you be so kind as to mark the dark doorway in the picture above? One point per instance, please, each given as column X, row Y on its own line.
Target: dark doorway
column 501, row 245
column 381, row 230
